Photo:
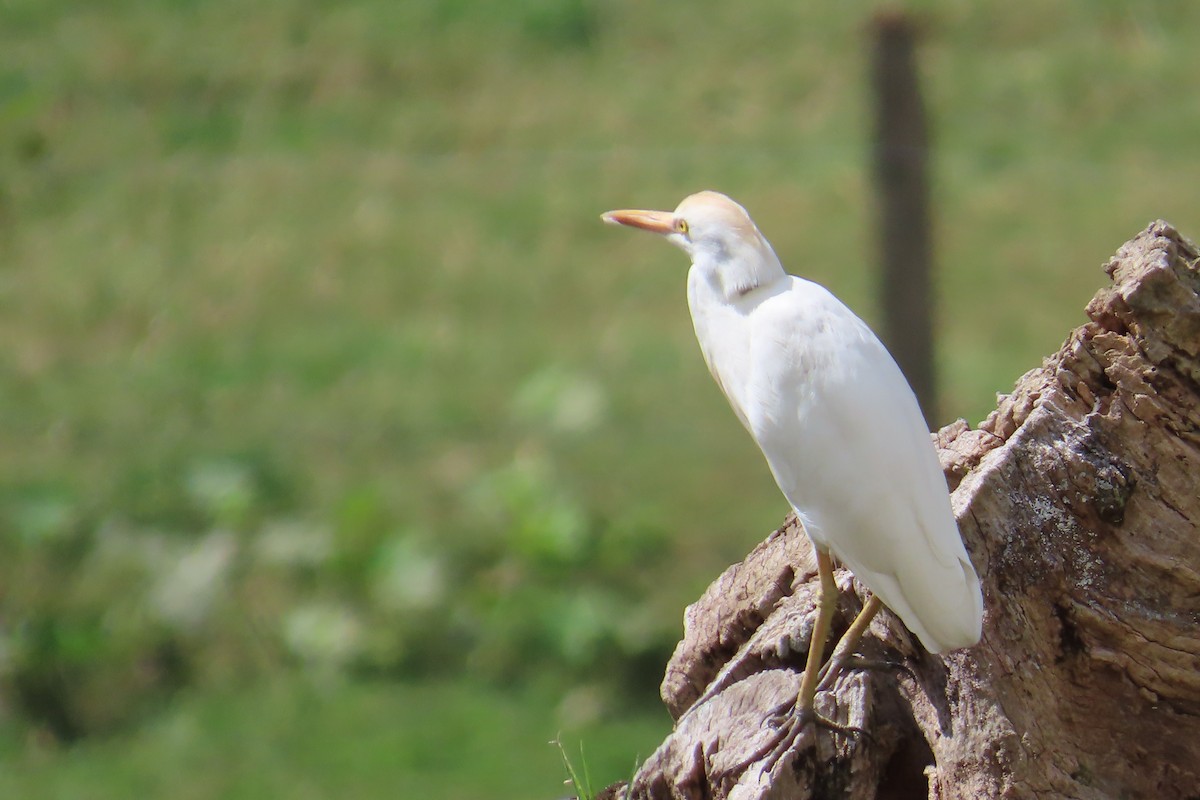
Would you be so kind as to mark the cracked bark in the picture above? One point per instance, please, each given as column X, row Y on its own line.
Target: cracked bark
column 1077, row 499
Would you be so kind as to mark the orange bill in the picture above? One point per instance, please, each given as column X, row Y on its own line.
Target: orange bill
column 653, row 221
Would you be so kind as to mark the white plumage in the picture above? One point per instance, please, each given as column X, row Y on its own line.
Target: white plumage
column 831, row 411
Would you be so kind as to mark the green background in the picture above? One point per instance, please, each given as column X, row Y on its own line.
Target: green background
column 345, row 453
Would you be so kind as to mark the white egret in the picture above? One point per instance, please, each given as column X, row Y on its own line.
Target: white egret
column 839, row 426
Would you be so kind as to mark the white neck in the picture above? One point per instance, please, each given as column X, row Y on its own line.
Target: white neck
column 736, row 273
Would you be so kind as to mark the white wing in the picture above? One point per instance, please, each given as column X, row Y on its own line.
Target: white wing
column 847, row 443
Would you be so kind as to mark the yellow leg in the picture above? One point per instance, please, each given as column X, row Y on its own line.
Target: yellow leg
column 850, row 640
column 804, row 713
column 820, row 633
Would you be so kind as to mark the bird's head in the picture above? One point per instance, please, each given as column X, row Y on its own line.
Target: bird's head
column 719, row 236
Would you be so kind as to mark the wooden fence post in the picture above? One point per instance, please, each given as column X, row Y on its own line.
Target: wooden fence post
column 901, row 153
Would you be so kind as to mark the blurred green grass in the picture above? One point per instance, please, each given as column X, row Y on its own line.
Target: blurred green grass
column 298, row 738
column 353, row 250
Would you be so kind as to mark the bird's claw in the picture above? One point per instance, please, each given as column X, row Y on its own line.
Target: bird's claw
column 791, row 721
column 849, row 731
column 831, row 671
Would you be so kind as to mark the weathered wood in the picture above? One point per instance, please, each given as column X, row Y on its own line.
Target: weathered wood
column 1078, row 499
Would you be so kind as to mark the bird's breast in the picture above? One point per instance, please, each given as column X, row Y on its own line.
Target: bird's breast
column 723, row 333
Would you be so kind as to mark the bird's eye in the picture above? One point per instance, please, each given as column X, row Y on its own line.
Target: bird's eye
column 681, row 226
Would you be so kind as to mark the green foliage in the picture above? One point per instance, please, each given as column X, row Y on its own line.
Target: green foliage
column 149, row 610
column 545, row 594
column 580, row 779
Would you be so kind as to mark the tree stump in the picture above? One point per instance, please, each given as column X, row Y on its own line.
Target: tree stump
column 1078, row 499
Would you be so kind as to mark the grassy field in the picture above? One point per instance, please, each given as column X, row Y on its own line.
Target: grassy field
column 300, row 739
column 340, row 265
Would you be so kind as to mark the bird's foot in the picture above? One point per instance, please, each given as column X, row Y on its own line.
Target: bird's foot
column 835, row 667
column 792, row 714
column 791, row 720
